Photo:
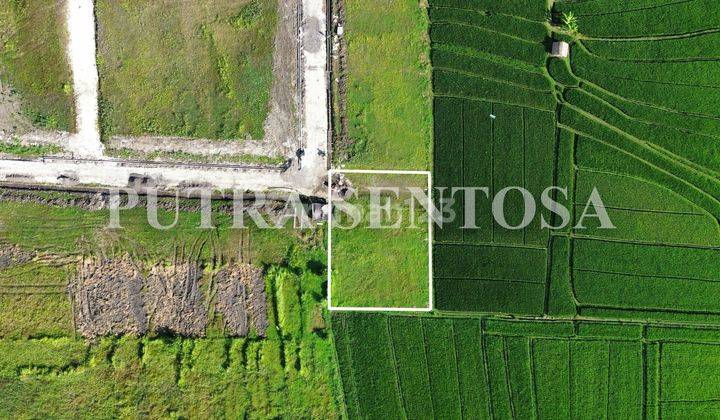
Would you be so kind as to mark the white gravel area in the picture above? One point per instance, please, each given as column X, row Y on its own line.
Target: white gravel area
column 81, row 48
column 313, row 166
column 116, row 174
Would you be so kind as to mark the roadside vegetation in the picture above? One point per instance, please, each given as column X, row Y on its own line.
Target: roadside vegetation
column 178, row 156
column 33, row 61
column 189, row 69
column 389, row 94
column 15, row 148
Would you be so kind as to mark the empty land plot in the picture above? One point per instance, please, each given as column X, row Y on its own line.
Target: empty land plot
column 388, row 85
column 198, row 69
column 386, row 264
column 35, row 84
column 46, row 371
column 499, row 368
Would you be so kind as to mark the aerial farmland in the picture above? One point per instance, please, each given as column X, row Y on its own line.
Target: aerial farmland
column 361, row 209
column 574, row 322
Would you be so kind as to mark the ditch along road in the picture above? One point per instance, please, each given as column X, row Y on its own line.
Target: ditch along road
column 89, row 166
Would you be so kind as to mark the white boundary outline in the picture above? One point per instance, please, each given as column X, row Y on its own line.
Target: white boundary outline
column 431, row 303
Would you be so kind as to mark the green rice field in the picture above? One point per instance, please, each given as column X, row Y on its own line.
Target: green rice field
column 397, row 366
column 628, row 112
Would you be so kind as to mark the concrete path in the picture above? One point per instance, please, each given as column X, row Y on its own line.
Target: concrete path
column 81, row 48
column 312, row 168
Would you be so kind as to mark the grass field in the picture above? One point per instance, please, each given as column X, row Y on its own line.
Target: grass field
column 381, row 267
column 33, row 61
column 388, row 85
column 45, row 370
column 190, row 69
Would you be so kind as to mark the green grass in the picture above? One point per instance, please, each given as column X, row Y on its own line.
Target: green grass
column 33, row 61
column 186, row 69
column 40, row 286
column 17, row 149
column 194, row 157
column 381, row 267
column 388, row 85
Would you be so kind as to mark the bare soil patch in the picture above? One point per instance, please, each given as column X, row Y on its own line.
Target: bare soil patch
column 107, row 296
column 176, row 303
column 241, row 299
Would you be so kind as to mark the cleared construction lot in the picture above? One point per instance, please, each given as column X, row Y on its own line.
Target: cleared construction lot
column 240, row 84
